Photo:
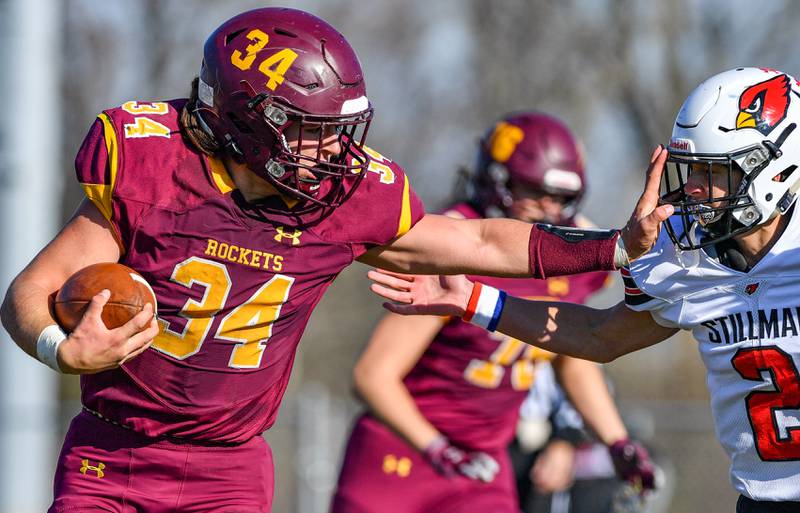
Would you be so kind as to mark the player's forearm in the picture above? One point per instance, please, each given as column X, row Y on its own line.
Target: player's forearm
column 586, row 387
column 390, row 401
column 519, row 249
column 25, row 313
column 495, row 247
column 562, row 328
column 512, row 248
column 441, row 245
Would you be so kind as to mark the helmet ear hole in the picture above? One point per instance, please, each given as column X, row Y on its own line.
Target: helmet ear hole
column 230, row 37
column 285, row 32
column 242, row 127
column 785, row 174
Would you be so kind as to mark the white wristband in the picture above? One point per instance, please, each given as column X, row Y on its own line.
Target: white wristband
column 485, row 306
column 620, row 254
column 47, row 346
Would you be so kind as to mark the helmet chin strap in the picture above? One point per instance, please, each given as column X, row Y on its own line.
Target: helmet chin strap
column 727, row 251
column 706, row 216
column 729, row 254
column 202, row 123
column 787, row 200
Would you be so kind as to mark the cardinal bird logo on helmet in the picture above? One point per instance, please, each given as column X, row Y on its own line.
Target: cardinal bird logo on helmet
column 764, row 105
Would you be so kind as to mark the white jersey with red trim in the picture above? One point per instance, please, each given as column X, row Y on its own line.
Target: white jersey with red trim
column 747, row 326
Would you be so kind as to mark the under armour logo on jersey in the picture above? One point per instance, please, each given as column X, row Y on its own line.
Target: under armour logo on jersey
column 294, row 236
column 394, row 465
column 85, row 467
column 751, row 288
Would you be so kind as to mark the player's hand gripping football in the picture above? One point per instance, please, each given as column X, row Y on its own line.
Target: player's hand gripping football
column 422, row 294
column 92, row 347
column 450, row 460
column 641, row 232
column 632, row 463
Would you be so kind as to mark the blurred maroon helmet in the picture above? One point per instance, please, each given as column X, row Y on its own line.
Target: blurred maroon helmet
column 270, row 69
column 530, row 149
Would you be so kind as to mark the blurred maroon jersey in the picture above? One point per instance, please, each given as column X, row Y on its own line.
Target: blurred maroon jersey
column 470, row 383
column 234, row 289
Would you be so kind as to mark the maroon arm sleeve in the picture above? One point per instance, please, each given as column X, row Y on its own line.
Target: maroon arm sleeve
column 561, row 250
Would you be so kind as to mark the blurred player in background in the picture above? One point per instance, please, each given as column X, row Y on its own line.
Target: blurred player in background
column 725, row 267
column 444, row 395
column 239, row 206
column 560, row 465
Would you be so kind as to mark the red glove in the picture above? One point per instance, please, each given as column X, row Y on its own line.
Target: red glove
column 632, row 463
column 450, row 460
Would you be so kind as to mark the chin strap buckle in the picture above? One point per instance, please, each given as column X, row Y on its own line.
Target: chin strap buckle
column 773, row 148
column 232, row 147
column 275, row 170
column 786, row 202
column 755, row 159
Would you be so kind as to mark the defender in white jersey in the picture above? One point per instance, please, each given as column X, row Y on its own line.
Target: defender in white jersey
column 726, row 268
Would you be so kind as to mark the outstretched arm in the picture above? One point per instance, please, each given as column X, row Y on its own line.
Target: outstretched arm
column 504, row 247
column 599, row 335
column 581, row 331
column 440, row 244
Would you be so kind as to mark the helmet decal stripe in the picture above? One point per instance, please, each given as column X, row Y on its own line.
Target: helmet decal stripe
column 205, row 93
column 355, row 105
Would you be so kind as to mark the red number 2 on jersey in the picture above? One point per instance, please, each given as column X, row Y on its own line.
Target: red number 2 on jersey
column 775, row 440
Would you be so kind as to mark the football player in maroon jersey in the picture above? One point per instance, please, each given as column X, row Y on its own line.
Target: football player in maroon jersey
column 443, row 394
column 240, row 206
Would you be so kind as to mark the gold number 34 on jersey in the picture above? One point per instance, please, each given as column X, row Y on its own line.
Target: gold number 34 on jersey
column 249, row 324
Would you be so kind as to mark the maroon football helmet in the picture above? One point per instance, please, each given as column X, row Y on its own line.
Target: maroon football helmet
column 530, row 149
column 271, row 70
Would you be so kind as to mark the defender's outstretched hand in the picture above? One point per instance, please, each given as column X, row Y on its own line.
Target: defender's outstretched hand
column 641, row 232
column 422, row 294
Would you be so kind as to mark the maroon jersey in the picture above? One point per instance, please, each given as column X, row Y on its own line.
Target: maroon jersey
column 234, row 289
column 470, row 383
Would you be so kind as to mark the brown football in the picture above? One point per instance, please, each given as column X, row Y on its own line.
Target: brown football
column 129, row 293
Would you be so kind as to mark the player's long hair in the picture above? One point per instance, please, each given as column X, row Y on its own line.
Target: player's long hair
column 191, row 130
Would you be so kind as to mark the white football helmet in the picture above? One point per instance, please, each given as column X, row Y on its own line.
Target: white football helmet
column 745, row 120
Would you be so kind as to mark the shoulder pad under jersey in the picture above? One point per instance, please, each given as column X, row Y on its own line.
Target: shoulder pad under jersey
column 668, row 275
column 383, row 208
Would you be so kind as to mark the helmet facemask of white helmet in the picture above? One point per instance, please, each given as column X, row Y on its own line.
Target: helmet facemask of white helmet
column 735, row 133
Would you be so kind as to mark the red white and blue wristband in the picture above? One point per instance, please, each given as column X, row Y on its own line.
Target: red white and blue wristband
column 485, row 306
